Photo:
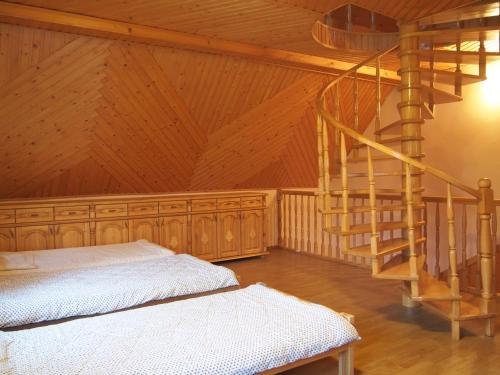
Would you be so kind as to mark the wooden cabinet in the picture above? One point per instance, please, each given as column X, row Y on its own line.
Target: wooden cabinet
column 204, row 235
column 252, row 229
column 7, row 239
column 212, row 226
column 174, row 233
column 35, row 237
column 111, row 232
column 228, row 234
column 146, row 229
column 71, row 235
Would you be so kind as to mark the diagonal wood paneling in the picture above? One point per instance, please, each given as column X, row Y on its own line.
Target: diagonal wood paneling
column 82, row 115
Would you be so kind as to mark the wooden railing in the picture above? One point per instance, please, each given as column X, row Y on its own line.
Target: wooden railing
column 300, row 223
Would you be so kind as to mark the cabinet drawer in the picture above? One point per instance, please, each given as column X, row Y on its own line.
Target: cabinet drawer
column 33, row 215
column 111, row 210
column 7, row 216
column 251, row 202
column 227, row 203
column 168, row 207
column 71, row 212
column 142, row 208
column 203, row 205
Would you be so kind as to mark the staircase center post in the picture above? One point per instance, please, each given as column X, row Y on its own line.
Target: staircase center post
column 410, row 109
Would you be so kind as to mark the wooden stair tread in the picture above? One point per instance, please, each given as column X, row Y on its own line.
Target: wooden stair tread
column 448, row 76
column 384, row 248
column 469, row 308
column 377, row 191
column 450, row 56
column 366, row 228
column 433, row 289
column 358, row 209
column 398, row 269
column 390, row 141
column 439, row 96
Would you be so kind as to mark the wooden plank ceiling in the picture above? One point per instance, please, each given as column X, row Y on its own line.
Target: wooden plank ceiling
column 83, row 115
column 281, row 24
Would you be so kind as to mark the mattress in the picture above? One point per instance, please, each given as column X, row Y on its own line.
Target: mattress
column 242, row 332
column 56, row 294
column 78, row 257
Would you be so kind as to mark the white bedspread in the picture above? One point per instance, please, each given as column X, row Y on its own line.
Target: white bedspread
column 78, row 257
column 35, row 297
column 241, row 332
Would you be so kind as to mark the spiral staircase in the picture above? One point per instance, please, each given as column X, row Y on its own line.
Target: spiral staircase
column 432, row 51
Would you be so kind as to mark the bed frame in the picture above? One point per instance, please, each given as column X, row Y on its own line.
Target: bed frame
column 345, row 354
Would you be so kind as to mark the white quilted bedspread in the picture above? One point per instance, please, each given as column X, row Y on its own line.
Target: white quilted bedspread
column 35, row 297
column 241, row 332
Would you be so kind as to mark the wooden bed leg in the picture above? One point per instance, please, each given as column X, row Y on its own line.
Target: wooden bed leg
column 346, row 361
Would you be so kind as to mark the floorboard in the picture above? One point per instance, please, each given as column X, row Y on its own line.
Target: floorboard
column 396, row 340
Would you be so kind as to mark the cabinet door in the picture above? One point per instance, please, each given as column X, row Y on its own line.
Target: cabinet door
column 111, row 232
column 72, row 235
column 36, row 237
column 143, row 229
column 7, row 239
column 204, row 234
column 228, row 234
column 173, row 233
column 252, row 231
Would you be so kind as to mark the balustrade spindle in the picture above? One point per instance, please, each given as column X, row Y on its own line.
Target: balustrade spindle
column 453, row 272
column 373, row 215
column 302, row 215
column 315, row 239
column 337, row 237
column 290, row 244
column 464, row 273
column 356, row 108
column 425, row 231
column 308, row 221
column 437, row 218
column 458, row 71
column 482, row 57
column 411, row 231
column 296, row 224
column 345, row 194
column 279, row 200
column 431, row 80
column 378, row 99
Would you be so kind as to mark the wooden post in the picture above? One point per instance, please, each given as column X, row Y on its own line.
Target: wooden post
column 377, row 101
column 482, row 57
column 453, row 271
column 280, row 218
column 411, row 232
column 485, row 210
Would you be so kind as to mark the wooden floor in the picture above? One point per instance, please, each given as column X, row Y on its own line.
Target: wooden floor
column 396, row 340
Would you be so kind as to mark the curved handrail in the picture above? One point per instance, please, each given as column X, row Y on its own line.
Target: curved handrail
column 378, row 40
column 320, row 103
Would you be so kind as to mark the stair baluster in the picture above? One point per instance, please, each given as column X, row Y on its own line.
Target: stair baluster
column 482, row 57
column 464, row 268
column 431, row 80
column 437, row 219
column 373, row 214
column 453, row 272
column 356, row 109
column 458, row 70
column 377, row 99
column 345, row 195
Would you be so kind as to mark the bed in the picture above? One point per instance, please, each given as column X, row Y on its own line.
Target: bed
column 97, row 280
column 252, row 330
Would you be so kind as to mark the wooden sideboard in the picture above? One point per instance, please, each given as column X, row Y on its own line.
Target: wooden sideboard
column 209, row 226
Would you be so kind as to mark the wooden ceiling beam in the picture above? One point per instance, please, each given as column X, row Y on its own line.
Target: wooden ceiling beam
column 98, row 27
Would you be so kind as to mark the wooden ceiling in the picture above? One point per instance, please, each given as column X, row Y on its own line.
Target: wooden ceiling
column 88, row 115
column 281, row 24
